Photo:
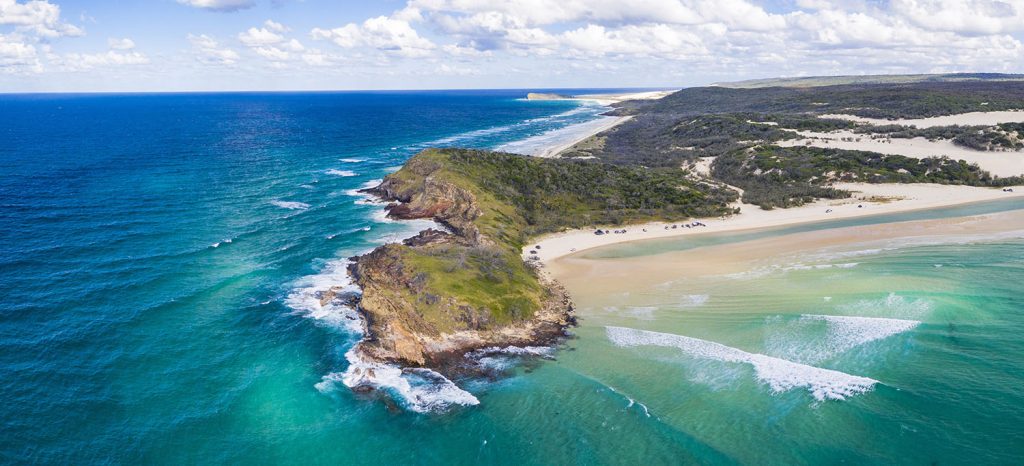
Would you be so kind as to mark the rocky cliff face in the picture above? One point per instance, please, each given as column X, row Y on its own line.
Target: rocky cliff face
column 396, row 299
column 421, row 196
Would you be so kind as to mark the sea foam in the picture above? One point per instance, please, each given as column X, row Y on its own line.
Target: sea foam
column 291, row 205
column 814, row 338
column 419, row 390
column 847, row 332
column 340, row 172
column 779, row 374
column 306, row 297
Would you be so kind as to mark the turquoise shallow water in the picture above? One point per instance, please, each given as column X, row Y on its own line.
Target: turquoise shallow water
column 157, row 253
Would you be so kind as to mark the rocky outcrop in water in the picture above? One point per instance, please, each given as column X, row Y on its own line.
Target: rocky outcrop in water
column 409, row 321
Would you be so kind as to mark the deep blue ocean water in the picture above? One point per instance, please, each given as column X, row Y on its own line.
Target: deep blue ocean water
column 149, row 245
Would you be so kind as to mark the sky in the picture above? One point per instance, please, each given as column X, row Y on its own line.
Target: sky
column 211, row 45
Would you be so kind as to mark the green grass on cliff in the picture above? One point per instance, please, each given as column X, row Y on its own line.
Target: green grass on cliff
column 478, row 278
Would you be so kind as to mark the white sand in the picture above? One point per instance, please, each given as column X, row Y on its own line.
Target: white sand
column 608, row 99
column 586, row 130
column 963, row 119
column 899, row 198
column 592, row 128
column 1000, row 163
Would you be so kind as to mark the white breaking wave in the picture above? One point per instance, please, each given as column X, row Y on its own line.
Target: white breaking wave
column 306, row 297
column 768, row 270
column 419, row 390
column 535, row 145
column 340, row 172
column 217, row 244
column 469, row 135
column 292, row 205
column 841, row 334
column 846, row 332
column 540, row 351
column 892, row 306
column 352, row 160
column 335, row 235
column 779, row 374
column 502, row 358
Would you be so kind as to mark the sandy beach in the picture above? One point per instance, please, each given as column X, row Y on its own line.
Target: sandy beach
column 586, row 131
column 609, row 99
column 588, row 278
column 1004, row 164
column 598, row 126
column 868, row 199
column 963, row 119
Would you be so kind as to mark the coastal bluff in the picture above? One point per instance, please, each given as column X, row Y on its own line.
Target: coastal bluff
column 442, row 293
column 432, row 298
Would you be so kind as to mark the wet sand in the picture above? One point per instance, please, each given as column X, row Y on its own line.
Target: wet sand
column 584, row 275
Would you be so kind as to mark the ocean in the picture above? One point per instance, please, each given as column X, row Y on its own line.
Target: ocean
column 161, row 255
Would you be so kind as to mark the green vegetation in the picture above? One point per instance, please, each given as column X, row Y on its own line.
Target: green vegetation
column 711, row 121
column 891, row 101
column 784, row 177
column 498, row 201
column 671, row 143
column 816, row 81
column 1006, row 136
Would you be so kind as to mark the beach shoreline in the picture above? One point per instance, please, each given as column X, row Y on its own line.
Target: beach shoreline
column 605, row 100
column 556, row 149
column 867, row 200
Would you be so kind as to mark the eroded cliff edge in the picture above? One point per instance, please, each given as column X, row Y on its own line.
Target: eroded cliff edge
column 442, row 293
column 448, row 291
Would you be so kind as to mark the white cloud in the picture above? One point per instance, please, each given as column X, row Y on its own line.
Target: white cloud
column 964, row 16
column 389, row 35
column 272, row 53
column 121, row 44
column 270, row 42
column 209, row 51
column 16, row 55
column 545, row 12
column 39, row 17
column 219, row 5
column 649, row 40
column 275, row 26
column 256, row 37
column 82, row 61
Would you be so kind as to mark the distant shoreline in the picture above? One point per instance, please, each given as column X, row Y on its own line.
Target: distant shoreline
column 606, row 100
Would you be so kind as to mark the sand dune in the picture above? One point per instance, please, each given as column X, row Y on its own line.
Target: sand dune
column 998, row 163
column 963, row 119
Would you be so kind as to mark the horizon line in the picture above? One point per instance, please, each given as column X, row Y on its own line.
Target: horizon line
column 326, row 91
